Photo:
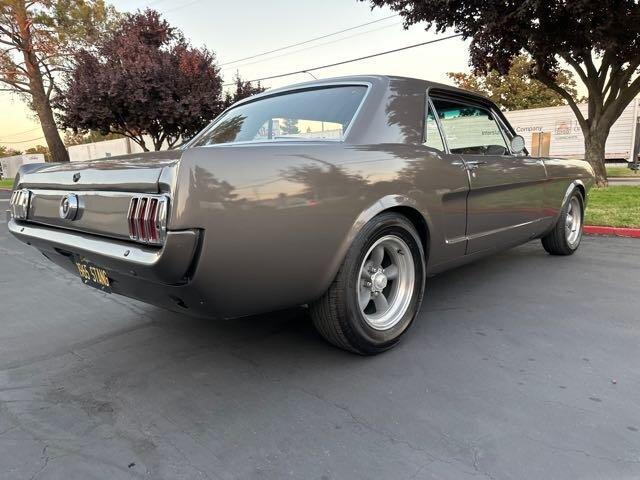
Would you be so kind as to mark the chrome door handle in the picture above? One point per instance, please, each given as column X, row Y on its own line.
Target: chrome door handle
column 473, row 164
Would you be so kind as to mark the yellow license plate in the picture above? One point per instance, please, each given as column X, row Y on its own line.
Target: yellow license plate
column 92, row 275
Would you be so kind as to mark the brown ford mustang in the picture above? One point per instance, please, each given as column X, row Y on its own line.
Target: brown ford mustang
column 343, row 194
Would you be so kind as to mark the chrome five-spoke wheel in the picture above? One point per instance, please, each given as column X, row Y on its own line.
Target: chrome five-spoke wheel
column 565, row 236
column 378, row 290
column 573, row 221
column 387, row 277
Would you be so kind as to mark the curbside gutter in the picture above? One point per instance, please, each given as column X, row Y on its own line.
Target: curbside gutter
column 616, row 231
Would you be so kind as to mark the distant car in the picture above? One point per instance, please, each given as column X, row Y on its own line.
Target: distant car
column 342, row 194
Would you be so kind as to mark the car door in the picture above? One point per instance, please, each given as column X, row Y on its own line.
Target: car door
column 504, row 205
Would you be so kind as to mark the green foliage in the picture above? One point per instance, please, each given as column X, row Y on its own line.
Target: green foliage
column 290, row 126
column 37, row 42
column 8, row 152
column 517, row 90
column 51, row 31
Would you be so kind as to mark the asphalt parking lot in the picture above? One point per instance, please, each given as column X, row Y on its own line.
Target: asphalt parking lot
column 522, row 366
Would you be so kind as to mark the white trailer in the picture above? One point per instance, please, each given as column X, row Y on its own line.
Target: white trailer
column 9, row 166
column 566, row 139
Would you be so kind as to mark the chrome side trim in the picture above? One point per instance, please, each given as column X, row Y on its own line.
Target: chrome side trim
column 475, row 236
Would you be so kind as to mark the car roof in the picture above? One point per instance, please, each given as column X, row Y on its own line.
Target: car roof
column 388, row 79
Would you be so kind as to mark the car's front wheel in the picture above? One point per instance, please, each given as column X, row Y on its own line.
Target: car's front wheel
column 378, row 291
column 566, row 235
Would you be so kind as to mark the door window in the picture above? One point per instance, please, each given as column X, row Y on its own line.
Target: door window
column 470, row 129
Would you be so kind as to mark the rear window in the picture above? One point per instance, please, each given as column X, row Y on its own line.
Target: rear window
column 321, row 113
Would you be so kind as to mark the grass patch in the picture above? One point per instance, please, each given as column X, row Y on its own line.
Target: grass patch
column 613, row 172
column 7, row 183
column 617, row 206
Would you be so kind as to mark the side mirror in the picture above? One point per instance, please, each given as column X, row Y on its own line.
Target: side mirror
column 517, row 145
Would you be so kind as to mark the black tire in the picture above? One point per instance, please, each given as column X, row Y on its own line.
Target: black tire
column 337, row 315
column 556, row 241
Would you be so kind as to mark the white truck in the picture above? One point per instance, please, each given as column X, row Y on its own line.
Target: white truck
column 554, row 131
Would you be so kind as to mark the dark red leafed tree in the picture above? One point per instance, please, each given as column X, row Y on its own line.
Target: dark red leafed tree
column 599, row 39
column 143, row 79
column 243, row 89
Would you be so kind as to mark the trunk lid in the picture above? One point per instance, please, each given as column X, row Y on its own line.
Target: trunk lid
column 129, row 173
column 103, row 191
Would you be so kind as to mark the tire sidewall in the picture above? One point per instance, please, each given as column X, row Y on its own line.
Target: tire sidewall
column 365, row 337
column 577, row 194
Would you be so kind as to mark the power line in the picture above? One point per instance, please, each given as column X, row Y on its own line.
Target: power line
column 22, row 141
column 22, row 133
column 308, row 41
column 179, row 7
column 344, row 62
column 313, row 46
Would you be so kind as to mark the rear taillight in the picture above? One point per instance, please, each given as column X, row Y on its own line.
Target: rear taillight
column 147, row 218
column 19, row 203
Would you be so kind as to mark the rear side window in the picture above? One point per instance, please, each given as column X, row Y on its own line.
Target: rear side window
column 470, row 129
column 432, row 137
column 320, row 113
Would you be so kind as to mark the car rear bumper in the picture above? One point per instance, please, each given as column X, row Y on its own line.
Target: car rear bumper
column 169, row 265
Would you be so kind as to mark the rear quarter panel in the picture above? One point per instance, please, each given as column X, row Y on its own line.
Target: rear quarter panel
column 278, row 218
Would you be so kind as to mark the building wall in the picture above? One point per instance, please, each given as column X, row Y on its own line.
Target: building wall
column 107, row 148
column 566, row 136
column 9, row 166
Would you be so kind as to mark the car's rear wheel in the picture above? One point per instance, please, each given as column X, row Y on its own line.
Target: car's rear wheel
column 566, row 235
column 378, row 291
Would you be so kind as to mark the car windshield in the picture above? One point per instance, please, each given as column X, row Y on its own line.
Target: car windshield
column 320, row 113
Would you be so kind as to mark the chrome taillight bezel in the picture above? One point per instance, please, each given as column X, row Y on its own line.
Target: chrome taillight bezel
column 19, row 204
column 147, row 218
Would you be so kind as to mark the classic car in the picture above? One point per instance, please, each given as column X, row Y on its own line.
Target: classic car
column 342, row 195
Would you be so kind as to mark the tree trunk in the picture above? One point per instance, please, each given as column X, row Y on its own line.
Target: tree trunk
column 594, row 148
column 56, row 146
column 39, row 96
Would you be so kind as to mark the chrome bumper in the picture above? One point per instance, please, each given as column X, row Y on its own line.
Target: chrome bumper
column 169, row 264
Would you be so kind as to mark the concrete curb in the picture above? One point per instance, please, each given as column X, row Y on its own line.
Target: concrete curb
column 616, row 231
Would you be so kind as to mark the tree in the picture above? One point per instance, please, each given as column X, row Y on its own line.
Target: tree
column 144, row 78
column 243, row 90
column 290, row 126
column 40, row 149
column 517, row 90
column 599, row 39
column 37, row 38
column 8, row 151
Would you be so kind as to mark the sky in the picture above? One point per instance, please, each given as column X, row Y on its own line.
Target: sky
column 238, row 29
